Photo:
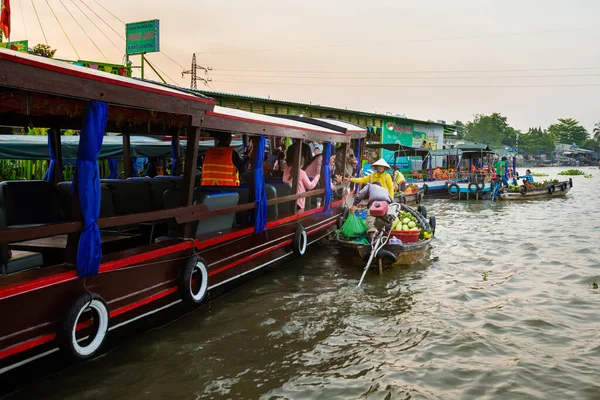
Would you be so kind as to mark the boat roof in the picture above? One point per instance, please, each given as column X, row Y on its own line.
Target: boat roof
column 355, row 131
column 445, row 152
column 397, row 147
column 474, row 148
column 23, row 147
column 239, row 121
column 29, row 73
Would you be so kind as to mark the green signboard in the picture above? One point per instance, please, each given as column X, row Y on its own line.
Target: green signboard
column 396, row 132
column 142, row 37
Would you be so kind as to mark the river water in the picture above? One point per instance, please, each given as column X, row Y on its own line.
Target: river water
column 506, row 307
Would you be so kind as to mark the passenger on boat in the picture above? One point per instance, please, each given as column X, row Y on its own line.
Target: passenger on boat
column 304, row 182
column 350, row 167
column 380, row 176
column 399, row 181
column 222, row 164
column 371, row 192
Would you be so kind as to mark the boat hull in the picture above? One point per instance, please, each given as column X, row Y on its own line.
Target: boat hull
column 141, row 282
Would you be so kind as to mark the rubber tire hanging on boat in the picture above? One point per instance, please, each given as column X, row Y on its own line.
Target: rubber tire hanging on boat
column 450, row 189
column 185, row 280
column 473, row 187
column 432, row 224
column 480, row 185
column 425, row 189
column 550, row 189
column 300, row 241
column 68, row 326
column 570, row 182
column 419, row 198
column 422, row 210
column 345, row 212
column 402, row 199
column 340, row 222
column 563, row 186
column 523, row 190
column 386, row 254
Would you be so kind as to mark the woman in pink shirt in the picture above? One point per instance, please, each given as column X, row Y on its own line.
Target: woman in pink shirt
column 304, row 183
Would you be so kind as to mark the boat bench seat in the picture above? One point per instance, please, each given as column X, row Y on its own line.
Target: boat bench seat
column 16, row 260
column 29, row 203
column 213, row 201
column 158, row 187
column 172, row 199
column 243, row 191
column 107, row 208
column 283, row 189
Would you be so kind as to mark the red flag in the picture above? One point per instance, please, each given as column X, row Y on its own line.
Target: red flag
column 5, row 18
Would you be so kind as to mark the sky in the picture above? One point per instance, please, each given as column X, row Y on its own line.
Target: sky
column 434, row 59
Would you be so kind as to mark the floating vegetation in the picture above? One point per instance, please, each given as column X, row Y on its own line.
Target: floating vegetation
column 539, row 174
column 572, row 172
column 587, row 176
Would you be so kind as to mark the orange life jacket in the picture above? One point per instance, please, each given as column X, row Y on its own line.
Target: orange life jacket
column 218, row 168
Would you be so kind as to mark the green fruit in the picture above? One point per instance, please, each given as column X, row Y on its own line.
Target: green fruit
column 406, row 220
column 411, row 224
column 404, row 227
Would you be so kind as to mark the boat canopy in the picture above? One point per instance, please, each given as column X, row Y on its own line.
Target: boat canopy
column 475, row 148
column 400, row 149
column 354, row 131
column 445, row 152
column 20, row 147
column 50, row 93
column 239, row 121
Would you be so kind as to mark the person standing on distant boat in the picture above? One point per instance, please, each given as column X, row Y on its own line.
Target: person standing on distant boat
column 501, row 170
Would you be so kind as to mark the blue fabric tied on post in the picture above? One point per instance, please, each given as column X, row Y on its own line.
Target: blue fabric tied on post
column 87, row 181
column 175, row 160
column 260, row 189
column 49, row 175
column 430, row 168
column 113, row 167
column 327, row 176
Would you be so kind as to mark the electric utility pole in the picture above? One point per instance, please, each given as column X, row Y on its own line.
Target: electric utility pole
column 193, row 72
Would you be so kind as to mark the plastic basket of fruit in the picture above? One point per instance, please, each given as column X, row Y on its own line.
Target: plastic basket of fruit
column 407, row 236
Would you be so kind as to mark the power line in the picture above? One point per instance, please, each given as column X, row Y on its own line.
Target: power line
column 405, row 77
column 162, row 72
column 102, row 19
column 217, row 70
column 410, row 86
column 63, row 29
column 40, row 22
column 403, row 41
column 93, row 23
column 23, row 18
column 86, row 34
column 109, row 12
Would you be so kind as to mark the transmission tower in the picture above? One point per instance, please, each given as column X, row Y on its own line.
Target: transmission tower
column 193, row 71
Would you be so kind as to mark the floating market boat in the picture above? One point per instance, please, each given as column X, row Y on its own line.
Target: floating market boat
column 82, row 260
column 410, row 247
column 542, row 190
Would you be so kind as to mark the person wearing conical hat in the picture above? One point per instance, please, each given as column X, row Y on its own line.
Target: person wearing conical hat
column 378, row 176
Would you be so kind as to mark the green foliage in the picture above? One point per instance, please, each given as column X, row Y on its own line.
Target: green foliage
column 460, row 129
column 535, row 141
column 538, row 174
column 571, row 172
column 568, row 130
column 490, row 129
column 597, row 131
column 43, row 50
column 591, row 144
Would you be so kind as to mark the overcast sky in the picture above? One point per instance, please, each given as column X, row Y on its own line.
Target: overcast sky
column 461, row 57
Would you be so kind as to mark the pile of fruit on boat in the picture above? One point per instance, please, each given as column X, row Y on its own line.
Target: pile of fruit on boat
column 406, row 227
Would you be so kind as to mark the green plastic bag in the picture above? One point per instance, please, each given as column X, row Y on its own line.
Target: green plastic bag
column 354, row 227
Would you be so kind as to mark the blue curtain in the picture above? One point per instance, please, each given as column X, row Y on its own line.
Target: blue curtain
column 137, row 164
column 49, row 175
column 175, row 160
column 260, row 190
column 327, row 176
column 357, row 154
column 514, row 165
column 113, row 167
column 87, row 181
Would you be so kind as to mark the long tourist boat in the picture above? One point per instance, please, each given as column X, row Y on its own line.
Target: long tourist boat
column 84, row 259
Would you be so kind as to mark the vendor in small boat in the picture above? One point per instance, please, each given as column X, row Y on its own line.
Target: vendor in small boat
column 399, row 180
column 527, row 178
column 371, row 192
column 380, row 176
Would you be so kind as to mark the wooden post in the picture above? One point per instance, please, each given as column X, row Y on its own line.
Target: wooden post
column 189, row 174
column 296, row 168
column 127, row 155
column 55, row 138
column 175, row 136
column 344, row 160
